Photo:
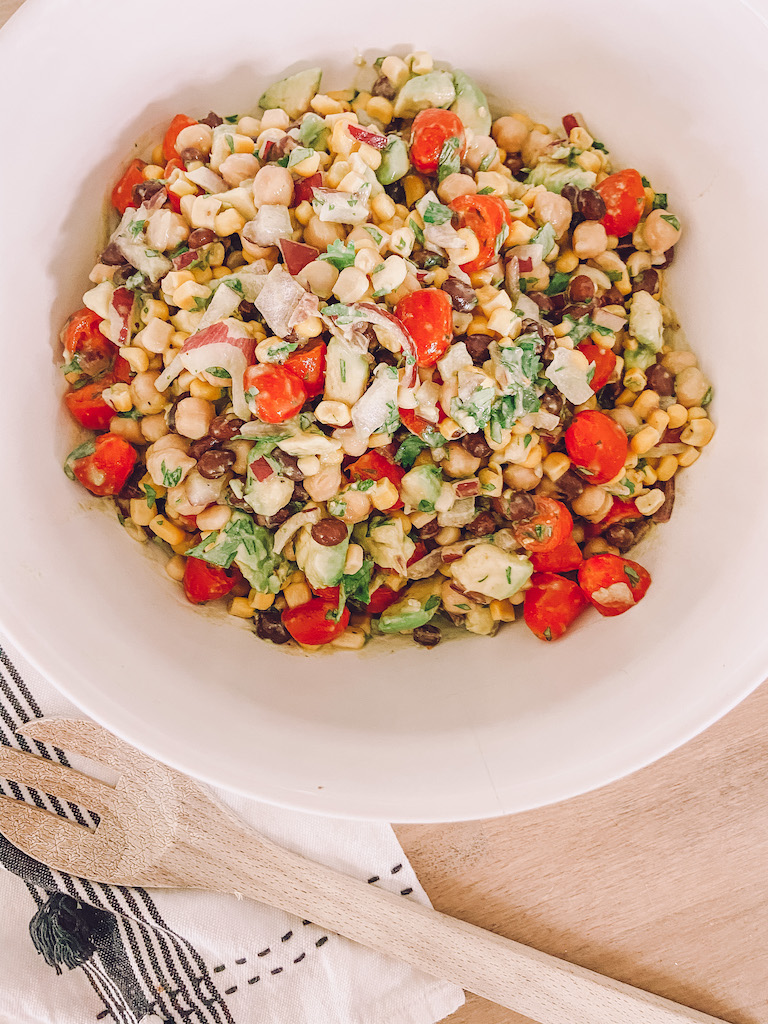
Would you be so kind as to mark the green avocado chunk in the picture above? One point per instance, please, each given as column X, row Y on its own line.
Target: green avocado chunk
column 292, row 94
column 323, row 566
column 488, row 570
column 420, row 487
column 470, row 104
column 435, row 89
column 394, row 161
column 554, row 175
column 415, row 608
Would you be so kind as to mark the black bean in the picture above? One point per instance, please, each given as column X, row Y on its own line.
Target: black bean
column 383, row 87
column 517, row 505
column 272, row 522
column 570, row 192
column 571, row 485
column 463, row 297
column 669, row 255
column 191, row 155
column 620, row 536
column 269, row 626
column 430, row 529
column 145, row 190
column 664, row 514
column 581, row 288
column 130, row 488
column 606, row 397
column 212, row 120
column 289, row 465
column 224, row 428
column 647, row 281
column 425, row 260
column 477, row 346
column 282, row 148
column 544, row 302
column 112, row 257
column 476, row 445
column 396, row 193
column 215, row 463
column 552, row 402
column 427, row 636
column 515, row 162
column 202, row 445
column 660, row 379
column 481, row 525
column 200, row 237
column 300, row 493
column 579, row 309
column 531, row 326
column 329, row 532
column 590, row 204
column 612, row 297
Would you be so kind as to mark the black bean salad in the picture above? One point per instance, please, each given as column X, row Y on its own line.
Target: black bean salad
column 367, row 361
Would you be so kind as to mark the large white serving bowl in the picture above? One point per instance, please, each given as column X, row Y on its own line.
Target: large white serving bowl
column 476, row 727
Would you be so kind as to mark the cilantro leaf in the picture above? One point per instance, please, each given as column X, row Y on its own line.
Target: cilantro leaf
column 670, row 219
column 217, row 371
column 660, row 201
column 436, row 213
column 81, row 452
column 136, row 227
column 230, row 143
column 558, row 283
column 449, row 161
column 170, row 477
column 151, row 494
column 583, row 327
column 487, row 191
column 410, row 447
column 344, row 314
column 416, row 230
column 631, row 575
column 339, row 255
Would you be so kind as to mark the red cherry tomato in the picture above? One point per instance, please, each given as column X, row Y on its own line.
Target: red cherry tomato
column 328, row 594
column 624, row 198
column 604, row 362
column 308, row 364
column 375, row 466
column 430, row 130
column 82, row 338
column 597, row 445
column 549, row 526
column 205, row 582
column 108, row 467
column 427, row 315
column 621, row 512
column 178, row 124
column 87, row 405
column 551, row 604
column 274, row 393
column 486, row 217
column 565, row 557
column 418, row 425
column 613, row 584
column 381, row 599
column 122, row 193
column 314, row 623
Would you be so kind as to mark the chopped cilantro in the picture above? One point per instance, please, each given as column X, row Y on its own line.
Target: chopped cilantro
column 591, row 372
column 502, row 237
column 200, row 303
column 375, row 234
column 81, row 452
column 613, row 275
column 151, row 494
column 599, row 145
column 436, row 213
column 426, row 506
column 626, row 482
column 342, row 313
column 416, row 230
column 343, row 371
column 217, row 371
column 132, row 414
column 236, row 285
column 464, row 607
column 73, row 366
column 509, row 575
column 487, row 160
column 487, row 191
column 136, row 227
column 410, row 447
column 432, row 603
column 170, row 477
column 670, row 219
column 707, row 398
column 449, row 161
column 558, row 283
column 631, row 575
column 363, row 485
column 392, row 421
column 527, row 440
column 279, row 353
column 646, row 183
column 660, row 201
column 230, row 143
column 583, row 327
column 232, row 119
column 339, row 255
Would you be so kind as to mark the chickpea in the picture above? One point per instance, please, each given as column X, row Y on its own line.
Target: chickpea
column 691, row 386
column 458, row 462
column 319, row 277
column 273, row 186
column 321, row 233
column 358, row 506
column 534, row 146
column 215, row 517
column 145, row 396
column 454, row 602
column 242, row 450
column 238, row 167
column 480, row 149
column 510, row 133
column 549, row 207
column 127, row 428
column 457, row 185
column 520, row 478
column 659, row 233
column 193, row 417
column 195, row 136
column 166, row 456
column 589, row 501
column 589, row 239
column 153, row 427
column 325, row 484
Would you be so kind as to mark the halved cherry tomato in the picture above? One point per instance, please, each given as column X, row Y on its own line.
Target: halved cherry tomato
column 613, row 584
column 375, row 466
column 597, row 445
column 122, row 193
column 82, row 338
column 107, row 468
column 486, row 217
column 565, row 557
column 547, row 528
column 178, row 124
column 430, row 130
column 308, row 364
column 87, row 405
column 427, row 315
column 328, row 594
column 604, row 361
column 381, row 599
column 274, row 393
column 624, row 198
column 417, row 424
column 551, row 604
column 314, row 623
column 205, row 582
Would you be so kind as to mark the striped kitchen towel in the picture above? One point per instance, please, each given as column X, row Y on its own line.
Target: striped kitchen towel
column 73, row 951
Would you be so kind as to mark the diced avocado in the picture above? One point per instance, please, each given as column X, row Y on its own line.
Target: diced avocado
column 645, row 321
column 394, row 161
column 387, row 543
column 554, row 175
column 267, row 497
column 251, row 549
column 415, row 608
column 420, row 487
column 292, row 94
column 488, row 570
column 346, row 372
column 423, row 91
column 314, row 132
column 470, row 104
column 323, row 566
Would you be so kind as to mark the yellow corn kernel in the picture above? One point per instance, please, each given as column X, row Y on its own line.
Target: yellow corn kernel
column 688, row 457
column 556, row 465
column 567, row 262
column 182, row 187
column 627, row 397
column 202, row 389
column 520, row 233
column 678, row 416
column 158, row 157
column 361, row 101
column 534, row 457
column 202, row 275
column 383, row 494
column 152, row 171
column 381, row 109
column 137, row 358
column 228, row 222
column 648, row 476
column 650, row 502
column 324, row 105
column 644, row 439
column 166, row 530
column 699, row 432
column 189, row 295
column 142, row 513
column 634, row 379
column 666, row 468
column 382, row 207
column 645, row 403
column 415, row 189
column 352, row 639
column 240, row 607
column 119, row 397
column 697, row 413
column 175, row 567
column 309, row 328
column 154, row 309
column 296, row 594
column 394, row 581
column 479, row 325
column 260, row 602
column 502, row 611
column 659, row 420
column 450, row 429
column 217, row 272
column 304, row 213
column 491, row 483
column 439, row 276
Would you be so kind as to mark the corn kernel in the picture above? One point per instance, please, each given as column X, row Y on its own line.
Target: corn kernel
column 556, row 465
column 645, row 403
column 634, row 379
column 240, row 607
column 380, row 109
column 414, row 189
column 688, row 457
column 166, row 530
column 304, row 213
column 383, row 494
column 137, row 358
column 651, row 502
column 260, row 602
column 296, row 594
column 644, row 439
column 678, row 416
column 699, row 432
column 352, row 639
column 666, row 468
column 502, row 611
column 202, row 389
column 175, row 567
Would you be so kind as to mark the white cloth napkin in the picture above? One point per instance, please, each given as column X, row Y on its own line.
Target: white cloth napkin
column 130, row 955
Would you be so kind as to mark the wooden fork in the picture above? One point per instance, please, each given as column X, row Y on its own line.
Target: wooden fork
column 161, row 829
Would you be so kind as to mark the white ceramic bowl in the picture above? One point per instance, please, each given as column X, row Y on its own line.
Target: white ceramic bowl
column 477, row 727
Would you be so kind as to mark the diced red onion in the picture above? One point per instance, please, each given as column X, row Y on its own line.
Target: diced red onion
column 297, row 255
column 261, row 469
column 303, row 191
column 369, row 138
column 122, row 302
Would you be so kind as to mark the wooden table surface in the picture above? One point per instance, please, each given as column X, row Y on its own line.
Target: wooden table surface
column 660, row 880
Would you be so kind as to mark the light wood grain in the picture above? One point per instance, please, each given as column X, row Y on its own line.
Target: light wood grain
column 660, row 880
